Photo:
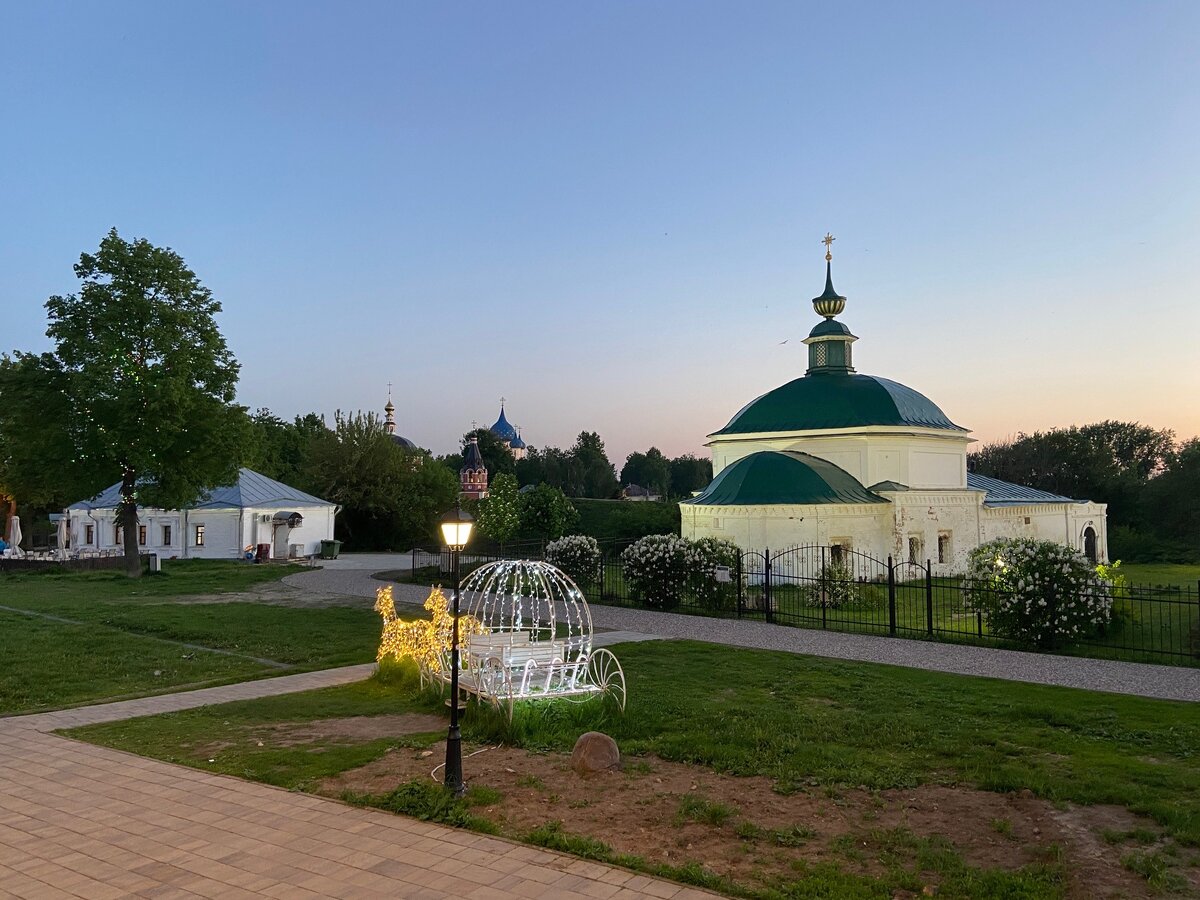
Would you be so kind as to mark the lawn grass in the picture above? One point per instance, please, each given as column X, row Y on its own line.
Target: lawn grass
column 801, row 721
column 50, row 664
column 120, row 631
column 1164, row 574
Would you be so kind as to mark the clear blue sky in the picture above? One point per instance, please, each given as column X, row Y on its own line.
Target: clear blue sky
column 610, row 212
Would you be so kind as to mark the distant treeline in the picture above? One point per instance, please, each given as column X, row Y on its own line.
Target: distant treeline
column 1150, row 481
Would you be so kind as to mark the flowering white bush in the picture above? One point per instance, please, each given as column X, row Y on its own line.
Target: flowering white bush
column 658, row 568
column 1040, row 592
column 709, row 553
column 578, row 555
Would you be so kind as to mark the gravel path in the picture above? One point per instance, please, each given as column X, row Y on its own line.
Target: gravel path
column 1141, row 679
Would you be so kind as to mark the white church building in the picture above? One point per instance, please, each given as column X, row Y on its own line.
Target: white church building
column 227, row 523
column 835, row 458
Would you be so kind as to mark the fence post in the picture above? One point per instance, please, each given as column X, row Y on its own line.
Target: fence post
column 737, row 573
column 824, row 575
column 891, row 597
column 767, row 600
column 929, row 596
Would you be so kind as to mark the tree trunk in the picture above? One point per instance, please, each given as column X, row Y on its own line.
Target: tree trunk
column 128, row 518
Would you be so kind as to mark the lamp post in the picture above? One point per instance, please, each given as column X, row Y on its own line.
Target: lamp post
column 456, row 531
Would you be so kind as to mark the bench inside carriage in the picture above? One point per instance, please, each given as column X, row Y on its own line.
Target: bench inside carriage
column 531, row 666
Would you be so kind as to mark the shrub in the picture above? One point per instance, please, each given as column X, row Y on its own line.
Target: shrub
column 1038, row 592
column 1123, row 610
column 709, row 553
column 658, row 568
column 578, row 555
column 835, row 589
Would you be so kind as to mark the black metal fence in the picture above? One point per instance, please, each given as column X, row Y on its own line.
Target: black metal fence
column 844, row 590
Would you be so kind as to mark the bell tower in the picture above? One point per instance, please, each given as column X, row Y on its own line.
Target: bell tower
column 473, row 476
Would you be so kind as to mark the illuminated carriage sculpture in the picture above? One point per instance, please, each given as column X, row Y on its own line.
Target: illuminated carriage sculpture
column 535, row 641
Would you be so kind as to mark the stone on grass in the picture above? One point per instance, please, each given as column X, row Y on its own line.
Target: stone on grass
column 595, row 752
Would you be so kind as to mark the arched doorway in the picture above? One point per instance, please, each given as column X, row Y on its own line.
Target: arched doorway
column 1089, row 543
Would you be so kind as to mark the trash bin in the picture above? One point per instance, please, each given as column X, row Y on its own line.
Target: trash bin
column 329, row 549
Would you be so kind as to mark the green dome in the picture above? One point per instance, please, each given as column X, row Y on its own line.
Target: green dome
column 829, row 326
column 837, row 400
column 774, row 477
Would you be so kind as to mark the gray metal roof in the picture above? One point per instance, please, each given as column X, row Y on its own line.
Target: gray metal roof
column 252, row 490
column 1005, row 493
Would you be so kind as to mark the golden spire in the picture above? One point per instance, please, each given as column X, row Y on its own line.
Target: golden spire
column 827, row 241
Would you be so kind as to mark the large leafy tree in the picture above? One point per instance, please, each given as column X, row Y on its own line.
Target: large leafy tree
column 650, row 469
column 139, row 388
column 499, row 513
column 589, row 471
column 1169, row 502
column 547, row 513
column 689, row 474
column 280, row 449
column 1110, row 462
column 548, row 465
column 390, row 497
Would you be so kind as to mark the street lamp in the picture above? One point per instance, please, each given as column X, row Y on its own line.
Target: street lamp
column 456, row 531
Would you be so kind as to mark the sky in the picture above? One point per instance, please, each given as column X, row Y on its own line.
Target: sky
column 610, row 213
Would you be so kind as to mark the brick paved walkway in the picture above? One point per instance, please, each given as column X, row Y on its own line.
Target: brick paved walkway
column 78, row 820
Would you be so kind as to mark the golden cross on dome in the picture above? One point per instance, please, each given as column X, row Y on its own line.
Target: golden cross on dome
column 827, row 241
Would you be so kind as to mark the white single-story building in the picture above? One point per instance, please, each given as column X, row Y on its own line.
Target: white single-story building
column 225, row 524
column 859, row 462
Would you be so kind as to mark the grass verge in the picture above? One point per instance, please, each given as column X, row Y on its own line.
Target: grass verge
column 130, row 637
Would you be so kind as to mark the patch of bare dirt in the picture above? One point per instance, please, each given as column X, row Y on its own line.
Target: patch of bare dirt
column 352, row 729
column 763, row 833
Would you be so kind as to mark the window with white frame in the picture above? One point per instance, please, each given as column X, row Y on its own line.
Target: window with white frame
column 166, row 535
column 945, row 547
column 199, row 536
column 89, row 534
column 142, row 535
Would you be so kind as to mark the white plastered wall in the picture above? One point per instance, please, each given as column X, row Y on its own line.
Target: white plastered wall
column 925, row 459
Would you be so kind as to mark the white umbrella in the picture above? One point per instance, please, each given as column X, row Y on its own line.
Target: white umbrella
column 62, row 536
column 14, row 534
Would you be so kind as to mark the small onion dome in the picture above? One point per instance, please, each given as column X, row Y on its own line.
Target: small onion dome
column 390, row 407
column 830, row 303
column 502, row 429
column 516, row 443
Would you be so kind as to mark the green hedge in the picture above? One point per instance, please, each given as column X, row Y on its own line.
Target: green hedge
column 626, row 519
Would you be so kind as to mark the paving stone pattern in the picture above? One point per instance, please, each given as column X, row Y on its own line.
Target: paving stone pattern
column 78, row 820
column 84, row 821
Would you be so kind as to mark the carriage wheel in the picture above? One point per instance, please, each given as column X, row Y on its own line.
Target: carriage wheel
column 605, row 672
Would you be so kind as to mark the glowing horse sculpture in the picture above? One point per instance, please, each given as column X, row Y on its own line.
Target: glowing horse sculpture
column 426, row 641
